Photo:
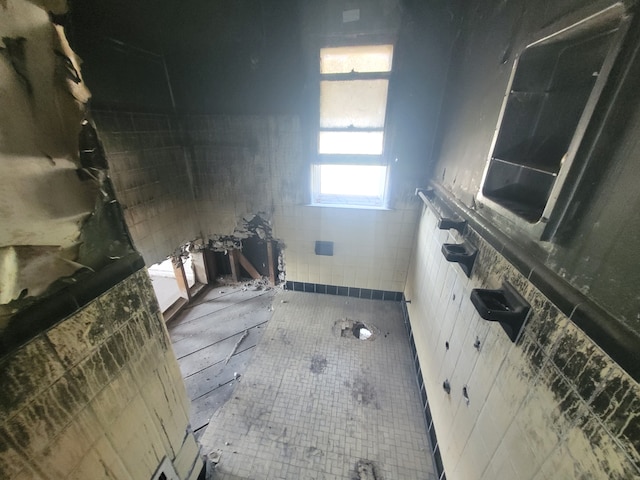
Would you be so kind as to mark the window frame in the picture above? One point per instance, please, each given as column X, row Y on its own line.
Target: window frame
column 318, row 159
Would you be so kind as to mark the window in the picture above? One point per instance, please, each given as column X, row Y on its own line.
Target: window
column 555, row 85
column 350, row 169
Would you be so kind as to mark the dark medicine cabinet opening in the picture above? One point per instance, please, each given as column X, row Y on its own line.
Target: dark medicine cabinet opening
column 554, row 87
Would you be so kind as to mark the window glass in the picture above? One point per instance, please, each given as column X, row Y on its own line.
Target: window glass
column 350, row 169
column 360, row 180
column 350, row 143
column 353, row 103
column 362, row 59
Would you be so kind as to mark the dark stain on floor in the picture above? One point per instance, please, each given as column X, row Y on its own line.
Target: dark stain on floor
column 318, row 364
column 364, row 393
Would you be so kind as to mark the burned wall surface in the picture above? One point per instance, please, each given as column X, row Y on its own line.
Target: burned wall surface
column 249, row 164
column 98, row 395
column 591, row 250
column 43, row 203
column 122, row 56
column 250, row 61
column 551, row 405
column 62, row 223
column 91, row 387
column 152, row 177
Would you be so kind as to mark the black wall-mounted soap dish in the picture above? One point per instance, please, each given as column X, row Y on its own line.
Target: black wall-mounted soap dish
column 447, row 223
column 461, row 253
column 447, row 219
column 505, row 306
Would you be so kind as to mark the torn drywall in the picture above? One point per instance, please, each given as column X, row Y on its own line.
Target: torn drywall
column 248, row 226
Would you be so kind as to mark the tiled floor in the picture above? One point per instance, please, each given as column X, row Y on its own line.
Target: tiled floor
column 315, row 405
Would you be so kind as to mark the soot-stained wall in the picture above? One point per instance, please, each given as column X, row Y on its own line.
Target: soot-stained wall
column 553, row 405
column 251, row 164
column 91, row 386
column 235, row 57
column 264, row 61
column 152, row 177
column 98, row 395
column 592, row 252
column 121, row 52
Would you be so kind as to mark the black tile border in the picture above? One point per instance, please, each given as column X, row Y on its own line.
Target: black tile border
column 619, row 341
column 428, row 418
column 354, row 292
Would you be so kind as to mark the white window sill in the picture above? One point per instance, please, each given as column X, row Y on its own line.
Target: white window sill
column 339, row 205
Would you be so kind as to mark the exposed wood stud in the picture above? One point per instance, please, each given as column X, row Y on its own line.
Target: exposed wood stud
column 246, row 264
column 272, row 273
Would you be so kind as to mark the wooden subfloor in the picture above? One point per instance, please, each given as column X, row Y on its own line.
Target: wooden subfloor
column 205, row 338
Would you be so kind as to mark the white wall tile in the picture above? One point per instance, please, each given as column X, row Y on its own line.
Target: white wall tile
column 516, row 421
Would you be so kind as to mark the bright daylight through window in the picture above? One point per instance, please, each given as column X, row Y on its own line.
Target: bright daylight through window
column 350, row 168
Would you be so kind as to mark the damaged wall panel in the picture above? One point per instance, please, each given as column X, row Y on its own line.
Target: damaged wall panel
column 152, row 179
column 43, row 201
column 91, row 387
column 57, row 205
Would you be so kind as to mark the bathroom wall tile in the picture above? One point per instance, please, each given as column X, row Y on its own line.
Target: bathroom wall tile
column 553, row 391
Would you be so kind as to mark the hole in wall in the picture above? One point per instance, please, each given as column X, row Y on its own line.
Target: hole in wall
column 251, row 236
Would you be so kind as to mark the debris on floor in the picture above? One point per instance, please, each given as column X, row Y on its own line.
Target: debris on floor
column 214, row 457
column 361, row 332
column 365, row 471
column 235, row 348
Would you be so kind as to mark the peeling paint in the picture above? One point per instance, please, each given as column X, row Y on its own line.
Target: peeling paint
column 57, row 201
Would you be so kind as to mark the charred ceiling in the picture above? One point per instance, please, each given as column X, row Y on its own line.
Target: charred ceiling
column 215, row 56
